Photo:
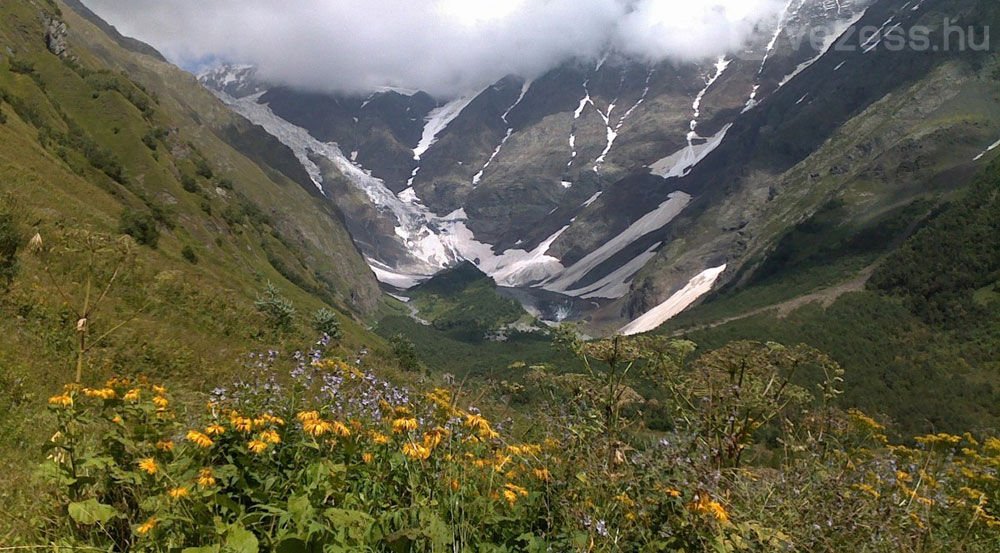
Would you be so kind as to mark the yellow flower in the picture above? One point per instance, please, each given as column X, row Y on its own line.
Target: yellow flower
column 117, row 419
column 307, row 415
column 703, row 504
column 673, row 492
column 199, row 439
column 416, row 451
column 268, row 418
column 206, row 478
column 512, row 491
column 316, row 427
column 103, row 393
column 481, row 426
column 341, row 429
column 62, row 400
column 400, row 426
column 243, row 424
column 146, row 527
column 433, row 437
column 257, row 446
column 543, row 474
column 215, row 430
column 160, row 390
column 161, row 402
column 165, row 445
column 454, row 485
column 148, row 465
column 270, row 436
column 178, row 493
column 132, row 395
column 379, row 438
column 367, row 458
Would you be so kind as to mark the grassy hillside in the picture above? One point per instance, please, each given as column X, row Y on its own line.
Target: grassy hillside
column 103, row 142
column 919, row 342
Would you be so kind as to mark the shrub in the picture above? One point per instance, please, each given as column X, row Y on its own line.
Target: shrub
column 188, row 253
column 141, row 226
column 278, row 310
column 10, row 242
column 405, row 353
column 325, row 321
column 188, row 184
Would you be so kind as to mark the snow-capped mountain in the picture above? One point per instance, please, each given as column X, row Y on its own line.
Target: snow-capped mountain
column 580, row 181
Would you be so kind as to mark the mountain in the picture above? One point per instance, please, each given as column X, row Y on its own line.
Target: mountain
column 638, row 187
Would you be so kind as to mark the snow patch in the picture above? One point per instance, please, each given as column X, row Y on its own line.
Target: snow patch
column 839, row 29
column 438, row 120
column 680, row 163
column 987, row 150
column 696, row 288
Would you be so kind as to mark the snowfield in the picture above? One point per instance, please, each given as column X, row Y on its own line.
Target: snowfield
column 696, row 288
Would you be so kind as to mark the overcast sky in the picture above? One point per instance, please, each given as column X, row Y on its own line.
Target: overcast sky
column 445, row 47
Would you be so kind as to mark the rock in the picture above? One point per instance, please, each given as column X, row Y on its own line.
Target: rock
column 55, row 35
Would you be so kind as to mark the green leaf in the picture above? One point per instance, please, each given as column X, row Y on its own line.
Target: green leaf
column 241, row 540
column 291, row 545
column 206, row 549
column 91, row 512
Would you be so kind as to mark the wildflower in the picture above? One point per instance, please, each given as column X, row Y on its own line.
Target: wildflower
column 433, row 437
column 257, row 447
column 206, row 478
column 400, row 426
column 270, row 436
column 316, row 427
column 215, row 430
column 512, row 492
column 62, row 400
column 199, row 439
column 133, row 395
column 117, row 419
column 161, row 402
column 704, row 504
column 340, row 429
column 673, row 492
column 379, row 438
column 542, row 474
column 481, row 426
column 243, row 424
column 454, row 485
column 367, row 458
column 165, row 446
column 178, row 493
column 147, row 526
column 416, row 451
column 307, row 415
column 148, row 465
column 103, row 393
column 160, row 390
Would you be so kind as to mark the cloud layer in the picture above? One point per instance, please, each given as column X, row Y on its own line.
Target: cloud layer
column 445, row 47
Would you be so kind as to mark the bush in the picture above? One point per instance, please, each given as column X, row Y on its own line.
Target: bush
column 141, row 226
column 188, row 253
column 188, row 184
column 278, row 310
column 10, row 241
column 325, row 321
column 405, row 353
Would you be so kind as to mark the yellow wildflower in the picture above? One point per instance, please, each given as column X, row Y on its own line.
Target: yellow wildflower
column 400, row 426
column 673, row 492
column 270, row 436
column 543, row 474
column 178, row 493
column 117, row 420
column 243, row 424
column 367, row 458
column 379, row 438
column 206, row 478
column 432, row 438
column 257, row 446
column 704, row 504
column 482, row 426
column 307, row 415
column 416, row 451
column 165, row 445
column 454, row 485
column 148, row 465
column 161, row 402
column 103, row 393
column 341, row 429
column 146, row 527
column 512, row 492
column 316, row 427
column 199, row 439
column 133, row 395
column 215, row 430
column 62, row 400
column 159, row 390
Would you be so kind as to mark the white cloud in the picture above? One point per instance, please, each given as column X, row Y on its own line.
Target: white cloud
column 442, row 46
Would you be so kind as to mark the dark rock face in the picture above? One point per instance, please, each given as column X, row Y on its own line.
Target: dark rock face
column 55, row 36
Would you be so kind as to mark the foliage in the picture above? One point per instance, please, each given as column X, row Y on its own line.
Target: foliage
column 188, row 253
column 326, row 322
column 405, row 352
column 326, row 457
column 11, row 238
column 139, row 225
column 277, row 309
